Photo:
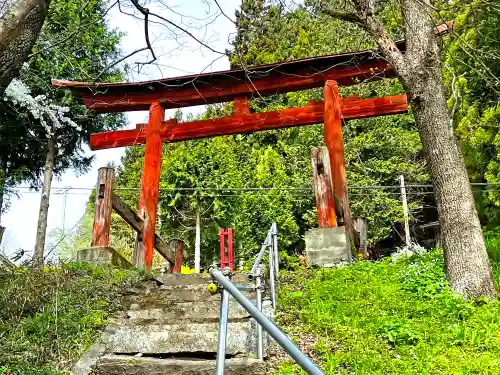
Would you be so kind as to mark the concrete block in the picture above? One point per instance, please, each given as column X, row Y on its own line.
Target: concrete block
column 327, row 247
column 131, row 365
column 101, row 255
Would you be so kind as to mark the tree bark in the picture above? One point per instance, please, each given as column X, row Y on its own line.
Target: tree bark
column 20, row 26
column 466, row 260
column 2, row 194
column 44, row 203
column 420, row 71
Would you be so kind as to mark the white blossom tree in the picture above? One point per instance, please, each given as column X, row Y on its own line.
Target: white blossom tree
column 52, row 118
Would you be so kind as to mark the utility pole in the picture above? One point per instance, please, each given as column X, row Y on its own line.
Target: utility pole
column 197, row 246
column 405, row 210
column 65, row 194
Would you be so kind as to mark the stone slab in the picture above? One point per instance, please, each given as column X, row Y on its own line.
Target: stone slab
column 193, row 279
column 157, row 338
column 131, row 365
column 88, row 360
column 181, row 293
column 101, row 255
column 327, row 247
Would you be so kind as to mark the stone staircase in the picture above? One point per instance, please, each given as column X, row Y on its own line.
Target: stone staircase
column 171, row 327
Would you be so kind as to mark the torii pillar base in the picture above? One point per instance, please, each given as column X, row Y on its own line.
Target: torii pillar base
column 327, row 247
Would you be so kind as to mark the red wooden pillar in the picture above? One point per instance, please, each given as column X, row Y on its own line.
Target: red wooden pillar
column 323, row 188
column 334, row 141
column 151, row 179
column 103, row 208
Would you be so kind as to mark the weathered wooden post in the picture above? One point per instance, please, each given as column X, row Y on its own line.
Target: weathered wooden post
column 322, row 174
column 151, row 180
column 177, row 247
column 103, row 208
column 138, row 258
column 334, row 141
column 362, row 229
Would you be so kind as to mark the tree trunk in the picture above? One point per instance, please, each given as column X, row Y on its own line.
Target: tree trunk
column 20, row 26
column 466, row 261
column 2, row 194
column 420, row 71
column 44, row 203
column 197, row 247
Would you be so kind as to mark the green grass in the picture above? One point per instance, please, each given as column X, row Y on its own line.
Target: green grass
column 390, row 318
column 50, row 316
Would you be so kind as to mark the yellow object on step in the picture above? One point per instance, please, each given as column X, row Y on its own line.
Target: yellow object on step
column 212, row 288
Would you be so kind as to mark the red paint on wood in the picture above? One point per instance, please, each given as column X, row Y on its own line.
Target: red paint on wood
column 220, row 87
column 322, row 174
column 225, row 86
column 334, row 141
column 151, row 179
column 230, row 254
column 226, row 261
column 308, row 115
column 178, row 248
column 240, row 106
column 103, row 207
column 222, row 243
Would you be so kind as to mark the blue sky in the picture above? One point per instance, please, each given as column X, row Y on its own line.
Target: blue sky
column 177, row 56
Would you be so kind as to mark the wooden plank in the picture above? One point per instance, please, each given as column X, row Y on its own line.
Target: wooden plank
column 151, row 179
column 177, row 247
column 216, row 87
column 137, row 224
column 334, row 141
column 103, row 209
column 322, row 174
column 210, row 90
column 362, row 229
column 302, row 116
column 138, row 256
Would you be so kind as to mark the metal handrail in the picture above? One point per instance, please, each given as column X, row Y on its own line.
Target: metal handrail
column 263, row 322
column 270, row 243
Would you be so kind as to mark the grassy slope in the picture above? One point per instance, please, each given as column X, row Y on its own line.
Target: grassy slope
column 390, row 318
column 48, row 317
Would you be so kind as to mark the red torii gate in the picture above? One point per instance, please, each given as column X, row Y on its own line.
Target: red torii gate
column 160, row 95
column 239, row 86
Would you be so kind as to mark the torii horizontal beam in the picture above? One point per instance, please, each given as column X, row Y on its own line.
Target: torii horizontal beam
column 242, row 122
column 225, row 86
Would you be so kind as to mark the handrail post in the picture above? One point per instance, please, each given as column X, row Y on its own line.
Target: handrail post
column 223, row 322
column 275, row 246
column 258, row 291
column 272, row 284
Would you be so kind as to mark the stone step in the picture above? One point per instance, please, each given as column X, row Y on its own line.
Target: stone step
column 193, row 279
column 174, row 311
column 158, row 338
column 181, row 293
column 131, row 365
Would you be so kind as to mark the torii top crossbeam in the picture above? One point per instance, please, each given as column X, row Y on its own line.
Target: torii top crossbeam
column 224, row 86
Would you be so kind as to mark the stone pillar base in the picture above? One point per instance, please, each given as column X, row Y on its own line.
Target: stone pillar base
column 101, row 255
column 327, row 247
